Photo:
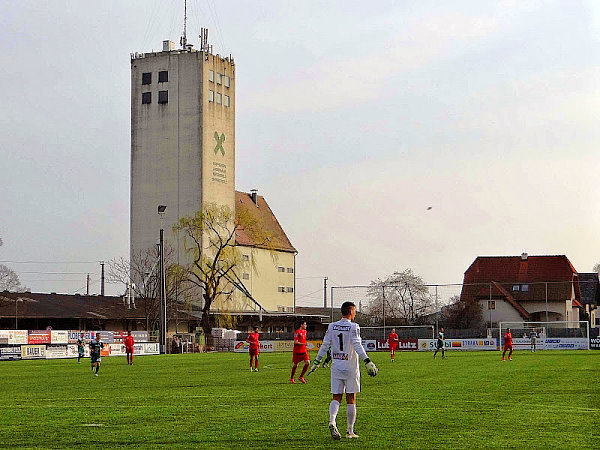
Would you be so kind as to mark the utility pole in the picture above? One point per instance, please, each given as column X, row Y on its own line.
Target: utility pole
column 102, row 279
column 87, row 291
column 325, row 292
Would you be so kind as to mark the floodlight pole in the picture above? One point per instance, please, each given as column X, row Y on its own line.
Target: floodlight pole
column 437, row 312
column 162, row 338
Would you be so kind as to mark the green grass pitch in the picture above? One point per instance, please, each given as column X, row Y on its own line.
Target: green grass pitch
column 548, row 399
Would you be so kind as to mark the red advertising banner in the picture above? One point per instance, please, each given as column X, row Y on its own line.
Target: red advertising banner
column 38, row 337
column 403, row 344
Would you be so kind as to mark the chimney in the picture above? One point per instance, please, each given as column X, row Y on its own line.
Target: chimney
column 523, row 256
column 254, row 196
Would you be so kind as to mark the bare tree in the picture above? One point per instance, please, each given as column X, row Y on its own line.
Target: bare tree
column 402, row 295
column 210, row 236
column 144, row 269
column 597, row 268
column 9, row 280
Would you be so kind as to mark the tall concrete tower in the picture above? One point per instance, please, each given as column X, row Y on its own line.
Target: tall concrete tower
column 182, row 139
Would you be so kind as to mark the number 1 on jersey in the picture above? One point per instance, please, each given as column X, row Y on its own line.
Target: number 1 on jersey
column 341, row 338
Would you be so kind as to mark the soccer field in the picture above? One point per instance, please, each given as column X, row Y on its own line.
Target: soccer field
column 470, row 400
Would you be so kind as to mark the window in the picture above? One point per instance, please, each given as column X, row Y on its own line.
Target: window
column 219, row 98
column 525, row 288
column 146, row 97
column 219, row 78
column 147, row 78
column 516, row 288
column 289, row 289
column 163, row 96
column 491, row 304
column 226, row 100
column 227, row 81
column 290, row 270
column 246, row 258
column 163, row 76
column 245, row 276
column 211, row 98
column 281, row 269
column 281, row 289
column 211, row 75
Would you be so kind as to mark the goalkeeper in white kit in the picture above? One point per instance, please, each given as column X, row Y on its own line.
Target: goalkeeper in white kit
column 346, row 347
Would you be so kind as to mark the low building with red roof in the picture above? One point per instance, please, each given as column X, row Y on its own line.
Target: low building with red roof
column 524, row 288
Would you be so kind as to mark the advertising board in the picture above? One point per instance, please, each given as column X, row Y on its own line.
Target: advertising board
column 17, row 337
column 59, row 337
column 313, row 346
column 37, row 337
column 74, row 335
column 73, row 353
column 595, row 343
column 152, row 348
column 370, row 345
column 403, row 344
column 565, row 343
column 33, row 351
column 10, row 353
column 459, row 344
column 56, row 351
column 243, row 346
column 3, row 337
column 283, row 346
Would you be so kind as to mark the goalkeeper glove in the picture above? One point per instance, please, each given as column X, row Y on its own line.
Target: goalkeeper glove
column 314, row 367
column 371, row 367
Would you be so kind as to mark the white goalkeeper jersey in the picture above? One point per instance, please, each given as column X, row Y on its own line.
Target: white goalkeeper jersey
column 346, row 347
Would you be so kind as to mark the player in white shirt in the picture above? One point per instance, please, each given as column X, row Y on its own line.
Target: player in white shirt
column 346, row 347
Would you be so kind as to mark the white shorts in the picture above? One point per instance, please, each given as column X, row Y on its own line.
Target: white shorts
column 348, row 385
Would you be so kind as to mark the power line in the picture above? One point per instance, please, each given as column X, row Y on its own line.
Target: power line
column 49, row 262
column 58, row 273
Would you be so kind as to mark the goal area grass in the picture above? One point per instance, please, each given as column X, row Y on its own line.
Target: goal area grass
column 548, row 399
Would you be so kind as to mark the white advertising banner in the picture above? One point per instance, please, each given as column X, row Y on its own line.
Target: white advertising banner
column 566, row 343
column 370, row 345
column 17, row 337
column 33, row 351
column 525, row 343
column 117, row 349
column 148, row 348
column 459, row 344
column 58, row 351
column 72, row 351
column 59, row 337
column 243, row 346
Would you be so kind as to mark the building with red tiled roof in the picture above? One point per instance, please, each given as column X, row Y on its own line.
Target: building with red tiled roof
column 524, row 288
column 269, row 271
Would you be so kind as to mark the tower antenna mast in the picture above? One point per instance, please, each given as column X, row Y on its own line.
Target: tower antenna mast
column 183, row 40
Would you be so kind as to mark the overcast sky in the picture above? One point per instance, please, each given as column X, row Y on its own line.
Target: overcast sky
column 353, row 119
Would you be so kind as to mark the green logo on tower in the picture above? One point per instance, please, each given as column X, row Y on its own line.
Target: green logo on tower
column 219, row 145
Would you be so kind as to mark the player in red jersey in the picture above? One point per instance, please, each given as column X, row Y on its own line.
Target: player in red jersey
column 507, row 344
column 393, row 343
column 252, row 339
column 128, row 342
column 300, row 353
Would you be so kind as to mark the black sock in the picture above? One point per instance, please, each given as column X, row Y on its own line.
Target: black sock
column 97, row 368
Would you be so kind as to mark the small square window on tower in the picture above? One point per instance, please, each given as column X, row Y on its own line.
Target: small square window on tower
column 147, row 78
column 163, row 76
column 163, row 96
column 226, row 100
column 211, row 75
column 219, row 96
column 227, row 81
column 146, row 97
column 211, row 96
column 219, row 78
